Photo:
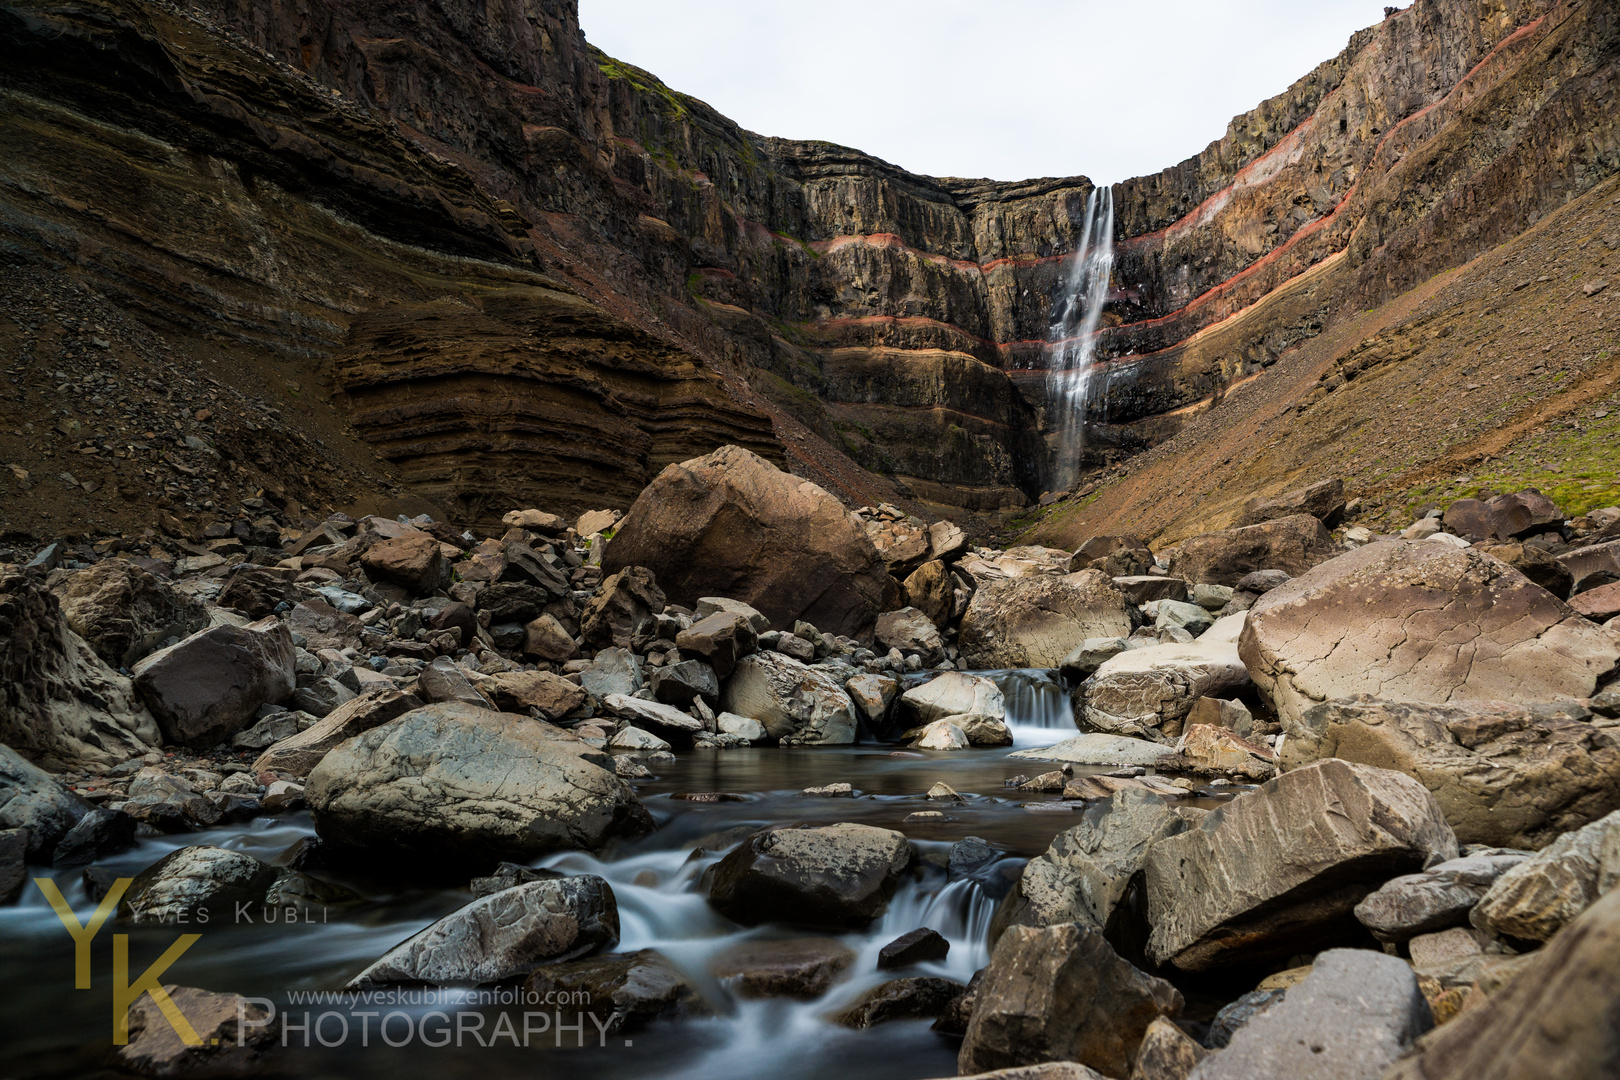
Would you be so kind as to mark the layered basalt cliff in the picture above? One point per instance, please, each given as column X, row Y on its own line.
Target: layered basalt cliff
column 693, row 279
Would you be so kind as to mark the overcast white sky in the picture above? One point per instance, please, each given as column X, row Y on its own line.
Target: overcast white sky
column 1008, row 89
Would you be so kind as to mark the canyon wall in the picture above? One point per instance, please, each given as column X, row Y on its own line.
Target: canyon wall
column 534, row 267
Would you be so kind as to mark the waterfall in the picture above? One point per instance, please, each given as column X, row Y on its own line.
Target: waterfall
column 1074, row 331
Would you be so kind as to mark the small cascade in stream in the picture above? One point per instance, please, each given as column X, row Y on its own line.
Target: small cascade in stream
column 1076, row 317
column 1039, row 712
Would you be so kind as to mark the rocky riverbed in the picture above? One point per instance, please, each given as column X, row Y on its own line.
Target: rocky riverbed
column 741, row 782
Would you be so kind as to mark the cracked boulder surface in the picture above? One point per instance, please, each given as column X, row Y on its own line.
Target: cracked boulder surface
column 1417, row 620
column 462, row 787
column 1035, row 621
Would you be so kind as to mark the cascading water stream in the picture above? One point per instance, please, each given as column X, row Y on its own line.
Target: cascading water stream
column 1074, row 333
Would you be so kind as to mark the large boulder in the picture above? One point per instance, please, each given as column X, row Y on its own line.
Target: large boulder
column 1506, row 775
column 123, row 612
column 462, row 785
column 208, row 687
column 834, row 876
column 1349, row 1019
column 1116, row 556
column 60, row 703
column 1416, row 620
column 930, row 590
column 1061, row 993
column 797, row 704
column 234, row 1035
column 1558, row 1017
column 1290, row 544
column 300, row 752
column 1323, row 500
column 504, row 935
column 732, row 524
column 1279, row 870
column 32, row 799
column 911, row 632
column 722, row 639
column 413, row 562
column 1504, row 517
column 1034, row 622
column 954, row 693
column 1148, row 692
column 1533, row 900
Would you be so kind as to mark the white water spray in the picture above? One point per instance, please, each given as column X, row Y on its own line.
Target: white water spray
column 1074, row 333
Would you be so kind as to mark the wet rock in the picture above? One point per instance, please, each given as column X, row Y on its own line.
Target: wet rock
column 13, row 863
column 910, row 631
column 1350, row 1019
column 1061, row 993
column 1419, row 621
column 32, row 799
column 1558, row 1017
column 1290, row 544
column 297, row 754
column 208, row 687
column 123, row 612
column 464, row 785
column 1280, row 869
column 553, row 696
column 796, row 704
column 626, row 600
column 504, row 935
column 99, row 832
column 732, row 524
column 686, row 682
column 626, row 991
column 614, row 671
column 1204, row 750
column 59, row 702
column 1438, row 898
column 1034, row 622
column 1084, row 874
column 1505, row 774
column 1533, row 900
column 835, row 876
column 234, row 1034
column 1323, row 500
column 1148, row 692
column 508, row 876
column 916, row 947
column 666, row 720
column 1098, row 749
column 983, row 730
column 917, row 998
column 930, row 590
column 169, row 803
column 802, row 968
column 193, row 880
column 412, row 562
column 1166, row 1053
column 873, row 695
column 721, row 639
column 1116, row 556
column 954, row 693
column 282, row 796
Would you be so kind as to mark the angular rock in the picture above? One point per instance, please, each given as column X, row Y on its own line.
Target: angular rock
column 655, row 716
column 512, row 601
column 31, row 799
column 1534, row 563
column 633, row 739
column 910, row 631
column 983, row 730
column 537, row 521
column 208, row 687
column 1142, row 589
column 916, row 947
column 1205, row 750
column 1166, row 1053
column 614, row 671
column 99, row 832
column 1533, row 900
column 323, row 627
column 732, row 524
column 193, row 880
column 1149, row 692
column 469, row 786
column 930, row 590
column 1323, row 500
column 1350, row 1019
column 1505, row 517
column 902, row 544
column 802, row 968
column 941, row 735
column 722, row 639
column 711, row 605
column 917, row 998
column 1117, row 556
column 1601, row 604
column 123, row 612
column 1506, row 775
column 1438, row 898
column 1280, row 869
column 548, row 639
column 297, row 754
column 626, row 600
column 946, row 540
column 504, row 935
column 834, row 876
column 1290, row 544
column 1034, row 622
column 1061, row 993
column 318, row 695
column 258, row 591
column 626, row 991
column 235, row 1035
column 443, row 680
column 797, row 704
column 1090, row 655
column 59, row 702
column 740, row 727
column 1189, row 617
column 952, row 694
column 683, row 683
column 524, row 564
column 1419, row 621
column 412, row 562
column 873, row 695
column 518, row 691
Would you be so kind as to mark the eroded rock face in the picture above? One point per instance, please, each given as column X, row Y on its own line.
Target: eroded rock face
column 1286, row 864
column 469, row 786
column 59, row 702
column 732, row 524
column 123, row 612
column 208, row 687
column 1035, row 621
column 1061, row 993
column 616, row 613
column 835, row 876
column 1504, row 774
column 1533, row 900
column 504, row 935
column 1420, row 621
column 1291, row 544
column 797, row 704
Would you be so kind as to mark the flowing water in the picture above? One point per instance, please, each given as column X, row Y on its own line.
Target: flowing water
column 54, row 1030
column 1073, row 336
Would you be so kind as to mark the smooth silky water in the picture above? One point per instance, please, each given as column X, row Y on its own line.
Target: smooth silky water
column 54, row 1030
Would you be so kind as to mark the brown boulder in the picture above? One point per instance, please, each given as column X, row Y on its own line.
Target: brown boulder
column 297, row 754
column 732, row 524
column 1034, row 622
column 835, row 876
column 1600, row 604
column 1290, row 544
column 412, row 562
column 1323, row 500
column 721, row 639
column 930, row 591
column 123, row 612
column 518, row 691
column 1417, row 620
column 208, row 687
column 235, row 1035
column 1505, row 517
column 1117, row 556
column 803, row 968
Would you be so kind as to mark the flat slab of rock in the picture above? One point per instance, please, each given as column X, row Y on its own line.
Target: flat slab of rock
column 1349, row 1019
column 1436, row 899
column 1098, row 749
column 834, row 876
column 1506, row 775
column 464, row 785
column 625, row 990
column 504, row 935
column 1034, row 622
column 1419, row 621
column 1284, row 865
